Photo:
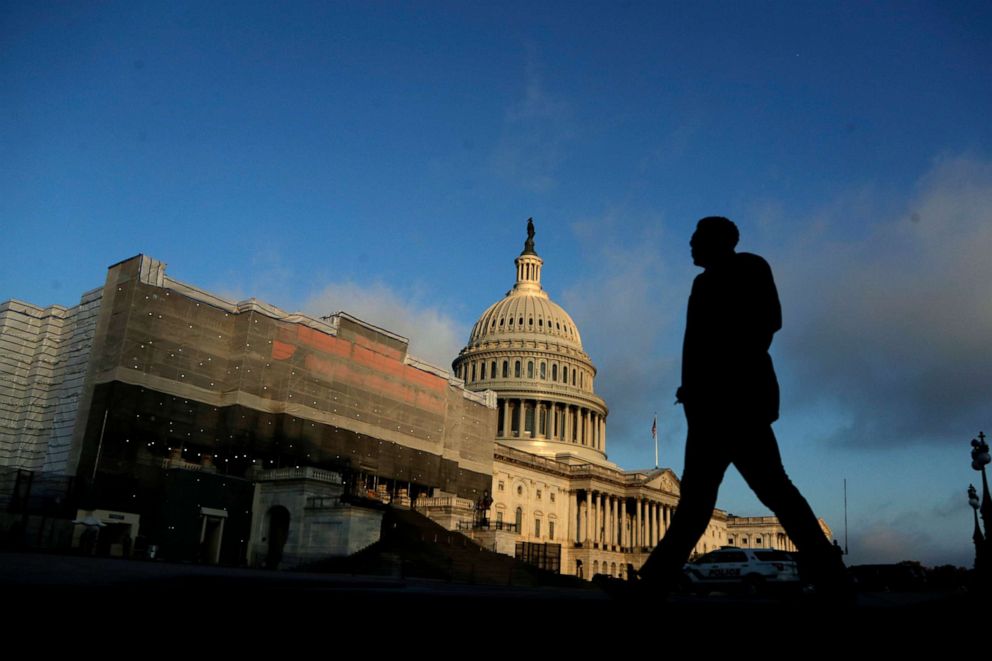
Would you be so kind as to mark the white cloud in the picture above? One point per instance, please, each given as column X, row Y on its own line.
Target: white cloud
column 535, row 134
column 629, row 311
column 434, row 336
column 892, row 327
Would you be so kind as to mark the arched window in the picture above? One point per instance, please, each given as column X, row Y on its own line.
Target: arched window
column 473, row 371
column 573, row 377
column 530, row 369
column 516, row 369
column 520, row 518
column 544, row 371
column 554, row 372
column 482, row 374
column 564, row 375
column 492, row 369
column 581, row 374
column 506, row 369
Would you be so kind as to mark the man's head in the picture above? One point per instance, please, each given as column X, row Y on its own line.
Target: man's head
column 713, row 241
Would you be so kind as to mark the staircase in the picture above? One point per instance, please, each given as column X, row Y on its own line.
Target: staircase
column 412, row 545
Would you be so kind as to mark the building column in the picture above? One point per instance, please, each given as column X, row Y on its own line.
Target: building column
column 623, row 523
column 601, row 510
column 647, row 523
column 588, row 510
column 602, row 434
column 568, row 423
column 657, row 523
column 520, row 418
column 577, row 519
column 608, row 534
column 613, row 520
column 637, row 524
column 506, row 418
column 656, row 507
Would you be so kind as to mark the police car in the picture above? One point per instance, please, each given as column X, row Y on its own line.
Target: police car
column 750, row 570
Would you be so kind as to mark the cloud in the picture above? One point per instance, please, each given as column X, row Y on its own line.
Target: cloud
column 625, row 307
column 434, row 336
column 892, row 326
column 535, row 134
column 912, row 536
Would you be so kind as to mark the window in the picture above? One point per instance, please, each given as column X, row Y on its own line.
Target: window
column 482, row 376
column 499, row 518
column 554, row 372
column 492, row 369
column 519, row 518
column 573, row 377
column 530, row 369
column 539, row 494
column 552, row 496
column 500, row 487
column 506, row 369
column 473, row 371
column 564, row 375
column 544, row 371
column 520, row 490
column 516, row 369
column 537, row 527
column 551, row 529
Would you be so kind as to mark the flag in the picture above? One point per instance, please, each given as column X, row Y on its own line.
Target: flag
column 654, row 428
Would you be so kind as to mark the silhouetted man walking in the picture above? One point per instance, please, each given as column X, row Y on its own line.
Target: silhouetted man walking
column 730, row 396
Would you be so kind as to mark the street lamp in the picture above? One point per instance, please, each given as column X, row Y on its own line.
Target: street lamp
column 979, row 460
column 976, row 536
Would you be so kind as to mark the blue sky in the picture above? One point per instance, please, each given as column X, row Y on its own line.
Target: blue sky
column 383, row 158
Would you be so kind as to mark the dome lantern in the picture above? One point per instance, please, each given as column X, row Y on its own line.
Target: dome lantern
column 529, row 266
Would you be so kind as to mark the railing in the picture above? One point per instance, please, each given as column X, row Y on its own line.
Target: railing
column 304, row 473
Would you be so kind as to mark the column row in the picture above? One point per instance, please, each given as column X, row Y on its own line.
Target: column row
column 629, row 523
column 530, row 418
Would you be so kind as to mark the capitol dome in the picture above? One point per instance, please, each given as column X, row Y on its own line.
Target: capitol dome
column 528, row 350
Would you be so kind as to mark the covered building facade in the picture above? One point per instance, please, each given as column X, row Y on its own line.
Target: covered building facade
column 214, row 427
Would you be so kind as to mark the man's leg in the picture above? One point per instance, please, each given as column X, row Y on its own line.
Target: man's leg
column 758, row 459
column 705, row 463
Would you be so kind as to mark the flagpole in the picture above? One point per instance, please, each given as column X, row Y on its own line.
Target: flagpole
column 654, row 432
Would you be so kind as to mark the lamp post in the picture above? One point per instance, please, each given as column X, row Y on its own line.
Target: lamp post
column 976, row 536
column 979, row 460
